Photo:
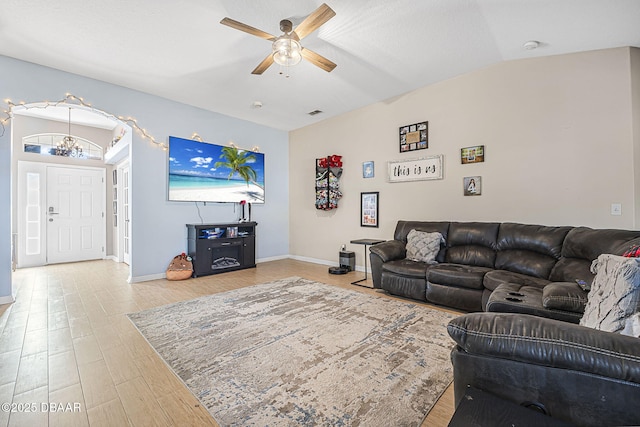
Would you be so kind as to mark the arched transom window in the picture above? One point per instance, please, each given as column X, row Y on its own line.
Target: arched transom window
column 56, row 144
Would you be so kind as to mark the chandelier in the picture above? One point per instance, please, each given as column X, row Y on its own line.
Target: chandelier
column 69, row 146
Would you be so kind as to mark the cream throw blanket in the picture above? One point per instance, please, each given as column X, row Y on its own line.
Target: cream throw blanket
column 614, row 298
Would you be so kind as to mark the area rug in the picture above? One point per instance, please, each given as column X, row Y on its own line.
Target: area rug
column 295, row 352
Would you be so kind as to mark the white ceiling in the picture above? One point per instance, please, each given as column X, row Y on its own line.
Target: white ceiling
column 383, row 48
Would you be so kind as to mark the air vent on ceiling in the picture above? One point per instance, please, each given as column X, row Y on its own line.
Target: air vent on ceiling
column 314, row 112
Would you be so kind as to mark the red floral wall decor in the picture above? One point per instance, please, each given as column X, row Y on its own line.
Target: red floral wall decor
column 328, row 172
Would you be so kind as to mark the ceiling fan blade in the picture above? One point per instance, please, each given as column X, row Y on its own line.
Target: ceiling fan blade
column 314, row 21
column 266, row 63
column 318, row 60
column 247, row 29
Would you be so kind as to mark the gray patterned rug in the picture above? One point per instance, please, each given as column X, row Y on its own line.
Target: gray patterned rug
column 298, row 352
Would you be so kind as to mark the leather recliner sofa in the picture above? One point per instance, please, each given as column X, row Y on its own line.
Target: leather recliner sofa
column 478, row 257
column 526, row 351
column 572, row 373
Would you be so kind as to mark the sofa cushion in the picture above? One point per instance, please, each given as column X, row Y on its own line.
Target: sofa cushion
column 464, row 276
column 529, row 249
column 472, row 243
column 389, row 250
column 583, row 245
column 564, row 296
column 572, row 269
column 406, row 267
column 495, row 278
column 541, row 239
column 404, row 227
column 515, row 298
column 615, row 293
column 404, row 286
column 422, row 246
column 452, row 296
column 587, row 243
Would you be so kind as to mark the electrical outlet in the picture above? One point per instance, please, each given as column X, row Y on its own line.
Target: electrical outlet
column 616, row 209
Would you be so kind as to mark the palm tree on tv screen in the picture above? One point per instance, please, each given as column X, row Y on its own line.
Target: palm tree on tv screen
column 237, row 161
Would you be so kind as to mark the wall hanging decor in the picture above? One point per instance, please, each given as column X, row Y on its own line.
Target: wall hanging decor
column 328, row 173
column 472, row 185
column 473, row 154
column 368, row 169
column 369, row 209
column 416, row 169
column 414, row 137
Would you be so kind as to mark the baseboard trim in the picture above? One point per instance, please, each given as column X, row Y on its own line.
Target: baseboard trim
column 323, row 262
column 9, row 299
column 138, row 279
column 273, row 258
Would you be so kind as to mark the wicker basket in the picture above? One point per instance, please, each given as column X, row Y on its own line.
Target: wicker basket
column 180, row 268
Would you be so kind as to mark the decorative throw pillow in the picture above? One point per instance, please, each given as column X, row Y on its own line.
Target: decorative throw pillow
column 423, row 246
column 632, row 252
column 615, row 293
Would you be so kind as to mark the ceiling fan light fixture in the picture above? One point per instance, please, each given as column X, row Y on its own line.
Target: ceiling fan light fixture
column 287, row 51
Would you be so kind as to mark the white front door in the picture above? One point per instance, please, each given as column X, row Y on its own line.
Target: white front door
column 74, row 214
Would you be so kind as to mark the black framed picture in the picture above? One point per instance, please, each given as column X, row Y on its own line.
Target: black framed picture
column 369, row 209
column 414, row 137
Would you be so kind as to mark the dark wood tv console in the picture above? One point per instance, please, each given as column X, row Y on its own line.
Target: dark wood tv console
column 216, row 248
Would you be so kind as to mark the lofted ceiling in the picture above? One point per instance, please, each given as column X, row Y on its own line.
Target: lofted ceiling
column 383, row 48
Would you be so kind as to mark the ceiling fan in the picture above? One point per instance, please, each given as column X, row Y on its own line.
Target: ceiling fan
column 286, row 49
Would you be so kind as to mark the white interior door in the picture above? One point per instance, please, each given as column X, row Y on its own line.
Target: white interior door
column 75, row 214
column 125, row 215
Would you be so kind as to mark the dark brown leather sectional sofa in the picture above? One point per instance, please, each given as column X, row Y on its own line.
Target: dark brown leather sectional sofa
column 526, row 347
column 477, row 257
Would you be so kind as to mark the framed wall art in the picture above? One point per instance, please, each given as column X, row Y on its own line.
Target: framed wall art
column 473, row 154
column 369, row 209
column 472, row 185
column 368, row 169
column 414, row 137
column 416, row 169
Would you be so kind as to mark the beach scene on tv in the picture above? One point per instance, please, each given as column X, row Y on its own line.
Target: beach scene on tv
column 203, row 172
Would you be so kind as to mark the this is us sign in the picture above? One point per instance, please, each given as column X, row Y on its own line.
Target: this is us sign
column 416, row 169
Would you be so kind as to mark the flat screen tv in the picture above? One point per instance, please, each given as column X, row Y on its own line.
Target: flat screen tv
column 203, row 172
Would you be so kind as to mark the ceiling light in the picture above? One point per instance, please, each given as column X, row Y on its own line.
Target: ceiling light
column 531, row 44
column 286, row 50
column 68, row 146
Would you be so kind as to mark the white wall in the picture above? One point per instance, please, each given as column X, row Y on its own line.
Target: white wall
column 635, row 117
column 559, row 146
column 159, row 230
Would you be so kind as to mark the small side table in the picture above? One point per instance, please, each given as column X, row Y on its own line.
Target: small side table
column 365, row 242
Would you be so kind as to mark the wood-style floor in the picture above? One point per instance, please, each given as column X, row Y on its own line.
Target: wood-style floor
column 70, row 357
